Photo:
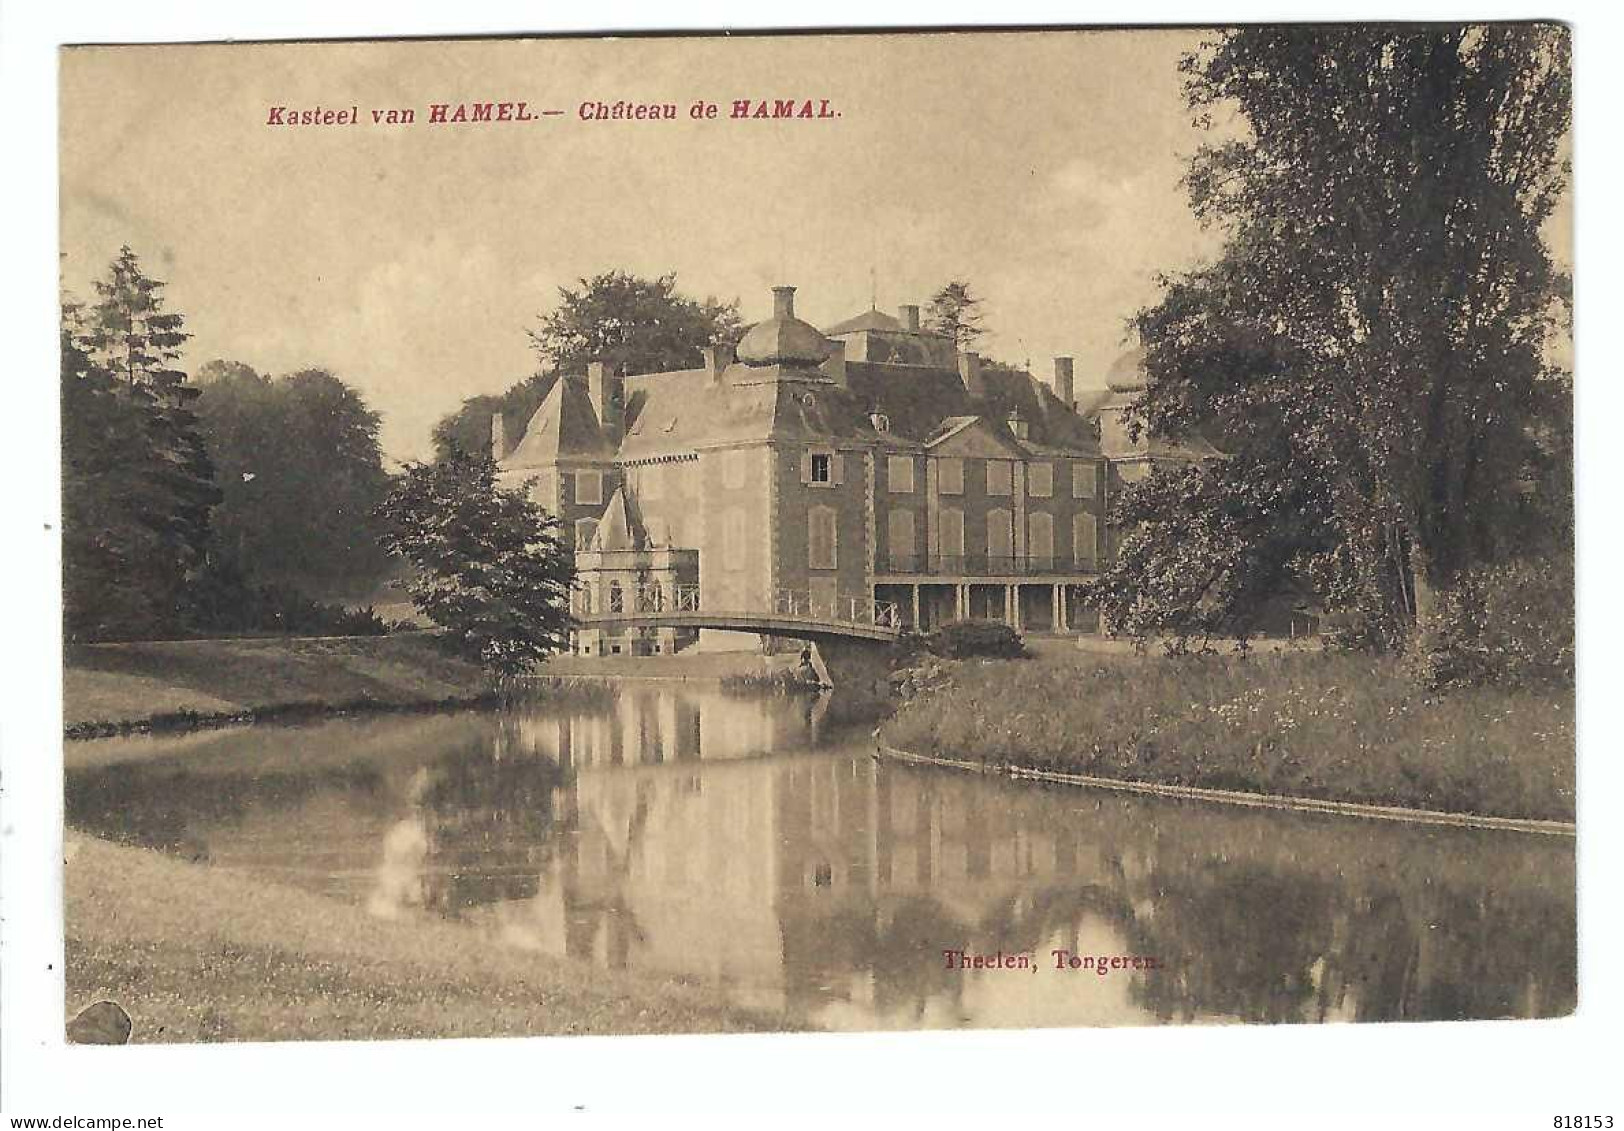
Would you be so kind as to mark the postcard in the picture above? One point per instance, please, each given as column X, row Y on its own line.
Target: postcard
column 820, row 531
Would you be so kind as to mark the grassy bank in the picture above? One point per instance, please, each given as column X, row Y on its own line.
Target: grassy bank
column 108, row 686
column 200, row 954
column 1319, row 725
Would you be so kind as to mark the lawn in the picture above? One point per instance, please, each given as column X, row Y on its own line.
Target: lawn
column 1303, row 724
column 124, row 683
column 201, row 954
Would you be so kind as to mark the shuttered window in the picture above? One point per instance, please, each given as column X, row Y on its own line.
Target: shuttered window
column 1084, row 480
column 1084, row 540
column 588, row 488
column 950, row 540
column 1000, row 477
column 1040, row 480
column 820, row 538
column 1040, row 540
column 822, row 468
column 1000, row 536
column 950, row 476
column 899, row 536
column 899, row 474
column 735, row 468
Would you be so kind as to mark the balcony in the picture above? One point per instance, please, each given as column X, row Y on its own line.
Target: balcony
column 984, row 565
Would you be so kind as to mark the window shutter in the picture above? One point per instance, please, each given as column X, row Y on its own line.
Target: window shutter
column 837, row 468
column 806, row 467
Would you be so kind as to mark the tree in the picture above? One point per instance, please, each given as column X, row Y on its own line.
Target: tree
column 632, row 324
column 1377, row 324
column 955, row 312
column 301, row 476
column 137, row 484
column 490, row 566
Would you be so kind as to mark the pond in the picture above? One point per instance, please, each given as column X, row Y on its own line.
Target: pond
column 756, row 845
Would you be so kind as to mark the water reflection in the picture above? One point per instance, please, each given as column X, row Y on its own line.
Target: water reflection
column 754, row 843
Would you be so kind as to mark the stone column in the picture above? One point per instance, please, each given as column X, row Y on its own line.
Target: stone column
column 1057, row 608
column 916, row 606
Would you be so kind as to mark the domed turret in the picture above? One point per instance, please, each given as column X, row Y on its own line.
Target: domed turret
column 1127, row 372
column 783, row 339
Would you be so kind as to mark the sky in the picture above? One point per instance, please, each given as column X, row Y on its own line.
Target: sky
column 1043, row 168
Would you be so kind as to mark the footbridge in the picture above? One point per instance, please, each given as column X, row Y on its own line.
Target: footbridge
column 788, row 612
column 850, row 636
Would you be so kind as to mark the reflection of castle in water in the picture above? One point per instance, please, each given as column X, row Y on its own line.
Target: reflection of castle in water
column 716, row 841
column 750, row 841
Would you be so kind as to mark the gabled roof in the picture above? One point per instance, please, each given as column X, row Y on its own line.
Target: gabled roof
column 868, row 320
column 975, row 436
column 564, row 425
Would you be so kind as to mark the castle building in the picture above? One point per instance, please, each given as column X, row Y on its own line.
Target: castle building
column 869, row 462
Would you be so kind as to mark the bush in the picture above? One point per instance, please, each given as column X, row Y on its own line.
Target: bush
column 1509, row 624
column 968, row 639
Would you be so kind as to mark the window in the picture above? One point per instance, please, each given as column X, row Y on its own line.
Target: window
column 950, row 536
column 617, row 598
column 821, row 550
column 1084, row 539
column 1084, row 482
column 1040, row 480
column 735, row 468
column 950, row 476
column 588, row 488
column 585, row 530
column 899, row 537
column 1040, row 540
column 821, row 469
column 1000, row 537
column 1000, row 477
column 899, row 474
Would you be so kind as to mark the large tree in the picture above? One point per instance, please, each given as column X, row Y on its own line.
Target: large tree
column 633, row 324
column 137, row 482
column 955, row 312
column 489, row 566
column 301, row 476
column 1378, row 324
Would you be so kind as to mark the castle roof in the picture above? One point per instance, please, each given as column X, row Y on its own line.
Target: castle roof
column 783, row 339
column 868, row 320
column 563, row 425
column 619, row 528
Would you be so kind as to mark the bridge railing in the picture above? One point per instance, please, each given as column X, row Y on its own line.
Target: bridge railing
column 648, row 598
column 801, row 604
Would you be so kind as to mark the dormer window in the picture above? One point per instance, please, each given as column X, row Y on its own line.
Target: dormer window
column 881, row 422
column 1017, row 425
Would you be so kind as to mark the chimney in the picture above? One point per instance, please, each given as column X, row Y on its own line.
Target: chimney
column 498, row 435
column 834, row 366
column 718, row 356
column 607, row 390
column 1063, row 383
column 970, row 374
column 783, row 302
column 910, row 318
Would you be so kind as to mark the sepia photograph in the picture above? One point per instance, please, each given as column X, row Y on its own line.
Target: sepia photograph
column 821, row 531
column 589, row 536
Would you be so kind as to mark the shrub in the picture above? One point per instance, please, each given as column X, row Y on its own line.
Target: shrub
column 968, row 639
column 1510, row 624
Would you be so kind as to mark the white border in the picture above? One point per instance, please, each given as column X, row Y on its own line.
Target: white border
column 1541, row 1068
